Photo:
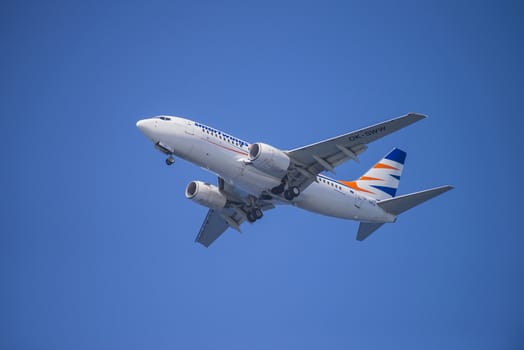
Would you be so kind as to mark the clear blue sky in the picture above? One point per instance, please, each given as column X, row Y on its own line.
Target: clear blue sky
column 96, row 238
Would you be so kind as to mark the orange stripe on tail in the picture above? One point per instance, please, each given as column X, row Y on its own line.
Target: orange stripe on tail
column 370, row 178
column 353, row 185
column 384, row 166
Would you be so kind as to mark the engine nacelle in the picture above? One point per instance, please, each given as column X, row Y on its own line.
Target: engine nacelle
column 268, row 159
column 206, row 194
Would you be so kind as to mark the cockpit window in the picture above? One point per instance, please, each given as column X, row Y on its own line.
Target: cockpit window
column 164, row 118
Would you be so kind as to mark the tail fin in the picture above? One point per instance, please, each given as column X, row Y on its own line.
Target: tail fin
column 382, row 180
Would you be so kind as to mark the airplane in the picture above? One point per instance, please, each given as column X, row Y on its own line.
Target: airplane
column 256, row 177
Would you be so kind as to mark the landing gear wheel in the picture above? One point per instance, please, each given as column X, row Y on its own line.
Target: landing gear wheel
column 291, row 193
column 250, row 217
column 254, row 215
column 257, row 213
column 170, row 160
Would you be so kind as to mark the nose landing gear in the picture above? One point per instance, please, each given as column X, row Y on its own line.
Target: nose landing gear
column 170, row 160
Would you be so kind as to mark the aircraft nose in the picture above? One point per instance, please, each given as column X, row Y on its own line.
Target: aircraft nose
column 146, row 127
column 140, row 125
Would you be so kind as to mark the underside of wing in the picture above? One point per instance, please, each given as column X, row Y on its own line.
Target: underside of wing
column 215, row 223
column 238, row 208
column 308, row 161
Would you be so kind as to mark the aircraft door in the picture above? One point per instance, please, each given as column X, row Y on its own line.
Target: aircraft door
column 189, row 127
column 358, row 200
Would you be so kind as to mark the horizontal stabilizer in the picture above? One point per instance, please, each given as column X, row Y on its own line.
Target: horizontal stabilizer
column 366, row 228
column 400, row 204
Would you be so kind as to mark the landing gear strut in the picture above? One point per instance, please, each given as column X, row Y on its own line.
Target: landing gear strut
column 279, row 189
column 170, row 160
column 289, row 193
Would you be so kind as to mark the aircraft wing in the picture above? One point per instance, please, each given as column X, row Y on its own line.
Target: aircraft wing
column 217, row 221
column 309, row 161
column 215, row 224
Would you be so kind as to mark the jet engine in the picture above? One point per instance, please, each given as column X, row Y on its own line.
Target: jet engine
column 206, row 194
column 268, row 159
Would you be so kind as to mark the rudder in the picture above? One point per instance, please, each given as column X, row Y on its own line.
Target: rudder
column 382, row 180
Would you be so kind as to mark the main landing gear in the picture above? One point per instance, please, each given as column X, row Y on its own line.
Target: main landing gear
column 170, row 160
column 291, row 193
column 254, row 215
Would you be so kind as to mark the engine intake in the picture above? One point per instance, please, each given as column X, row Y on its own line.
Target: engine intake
column 269, row 159
column 206, row 194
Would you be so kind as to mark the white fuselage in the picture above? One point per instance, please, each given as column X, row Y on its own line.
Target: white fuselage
column 227, row 157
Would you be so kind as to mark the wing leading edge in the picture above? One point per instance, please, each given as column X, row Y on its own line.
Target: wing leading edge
column 309, row 161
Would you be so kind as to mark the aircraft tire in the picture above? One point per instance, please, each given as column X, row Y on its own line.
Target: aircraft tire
column 257, row 213
column 250, row 217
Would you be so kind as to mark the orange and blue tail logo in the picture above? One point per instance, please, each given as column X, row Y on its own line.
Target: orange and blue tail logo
column 382, row 180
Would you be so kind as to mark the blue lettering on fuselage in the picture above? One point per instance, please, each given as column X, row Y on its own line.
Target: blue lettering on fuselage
column 218, row 132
